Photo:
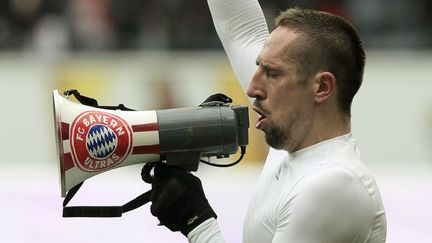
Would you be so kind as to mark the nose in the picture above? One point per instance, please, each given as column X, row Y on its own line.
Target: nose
column 256, row 87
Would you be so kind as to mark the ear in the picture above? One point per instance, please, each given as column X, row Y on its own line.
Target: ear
column 324, row 87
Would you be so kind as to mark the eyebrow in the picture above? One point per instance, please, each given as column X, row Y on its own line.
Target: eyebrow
column 266, row 66
column 258, row 63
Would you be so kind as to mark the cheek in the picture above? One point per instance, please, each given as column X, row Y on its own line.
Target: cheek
column 289, row 105
column 283, row 110
column 284, row 97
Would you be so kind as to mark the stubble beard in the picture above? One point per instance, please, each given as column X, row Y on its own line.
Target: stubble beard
column 277, row 137
column 287, row 136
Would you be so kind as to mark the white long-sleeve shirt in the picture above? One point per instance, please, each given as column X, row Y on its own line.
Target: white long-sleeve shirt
column 319, row 194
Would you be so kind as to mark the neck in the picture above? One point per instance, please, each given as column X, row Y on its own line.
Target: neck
column 324, row 128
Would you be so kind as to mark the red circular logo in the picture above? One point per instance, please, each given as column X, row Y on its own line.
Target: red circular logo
column 99, row 140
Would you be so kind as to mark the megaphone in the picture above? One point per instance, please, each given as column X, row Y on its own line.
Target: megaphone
column 92, row 139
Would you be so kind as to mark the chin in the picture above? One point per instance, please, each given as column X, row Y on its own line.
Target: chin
column 275, row 141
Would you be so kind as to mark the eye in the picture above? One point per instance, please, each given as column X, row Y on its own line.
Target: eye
column 268, row 71
column 271, row 73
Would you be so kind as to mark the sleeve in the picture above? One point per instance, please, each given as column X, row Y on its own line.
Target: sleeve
column 242, row 29
column 207, row 231
column 329, row 207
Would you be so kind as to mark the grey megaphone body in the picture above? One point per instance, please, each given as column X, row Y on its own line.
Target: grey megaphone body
column 92, row 140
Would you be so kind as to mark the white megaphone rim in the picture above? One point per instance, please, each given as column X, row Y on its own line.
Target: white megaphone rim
column 58, row 136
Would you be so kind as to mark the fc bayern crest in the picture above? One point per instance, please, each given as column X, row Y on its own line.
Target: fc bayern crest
column 99, row 140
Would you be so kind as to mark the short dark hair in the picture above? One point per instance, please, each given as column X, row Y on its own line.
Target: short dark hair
column 327, row 42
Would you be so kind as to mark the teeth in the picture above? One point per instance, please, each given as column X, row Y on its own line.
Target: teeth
column 258, row 123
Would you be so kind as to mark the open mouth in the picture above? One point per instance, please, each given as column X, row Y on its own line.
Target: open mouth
column 261, row 117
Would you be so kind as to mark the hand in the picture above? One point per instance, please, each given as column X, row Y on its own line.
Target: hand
column 178, row 200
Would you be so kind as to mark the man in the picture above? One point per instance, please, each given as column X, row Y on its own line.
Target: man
column 314, row 187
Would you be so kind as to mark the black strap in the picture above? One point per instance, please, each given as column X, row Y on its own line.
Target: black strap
column 93, row 102
column 92, row 211
column 101, row 211
column 71, row 193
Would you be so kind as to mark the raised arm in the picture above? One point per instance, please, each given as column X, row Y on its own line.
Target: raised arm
column 242, row 28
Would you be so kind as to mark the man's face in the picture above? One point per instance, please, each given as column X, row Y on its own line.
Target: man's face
column 284, row 103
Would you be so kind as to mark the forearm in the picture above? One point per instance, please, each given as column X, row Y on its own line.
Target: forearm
column 242, row 29
column 208, row 232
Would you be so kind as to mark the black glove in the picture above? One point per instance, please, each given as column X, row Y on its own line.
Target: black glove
column 178, row 200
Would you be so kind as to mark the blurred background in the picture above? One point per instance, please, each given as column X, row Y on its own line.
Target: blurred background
column 158, row 54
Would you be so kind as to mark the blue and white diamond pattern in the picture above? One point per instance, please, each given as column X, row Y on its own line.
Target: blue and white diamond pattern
column 101, row 141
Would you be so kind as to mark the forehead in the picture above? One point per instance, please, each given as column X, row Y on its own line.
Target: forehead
column 280, row 39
